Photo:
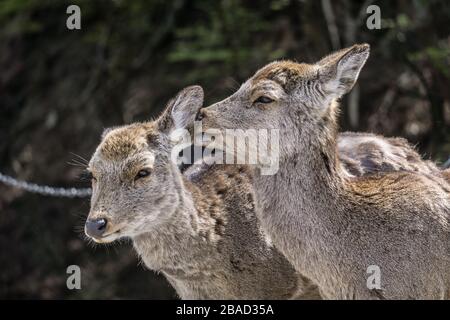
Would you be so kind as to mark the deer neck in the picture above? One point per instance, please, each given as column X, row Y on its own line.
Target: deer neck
column 310, row 178
column 299, row 203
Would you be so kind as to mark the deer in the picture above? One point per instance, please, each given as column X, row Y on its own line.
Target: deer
column 367, row 153
column 198, row 228
column 160, row 249
column 102, row 225
column 334, row 226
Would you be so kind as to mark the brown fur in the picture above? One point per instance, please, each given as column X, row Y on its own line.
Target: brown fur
column 332, row 223
column 198, row 228
column 363, row 153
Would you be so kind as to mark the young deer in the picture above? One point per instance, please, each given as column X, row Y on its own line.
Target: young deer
column 199, row 229
column 332, row 225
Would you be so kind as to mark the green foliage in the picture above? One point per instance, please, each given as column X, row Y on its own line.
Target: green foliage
column 439, row 56
column 226, row 33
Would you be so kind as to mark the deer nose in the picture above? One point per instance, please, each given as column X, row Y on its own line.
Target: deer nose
column 200, row 115
column 96, row 228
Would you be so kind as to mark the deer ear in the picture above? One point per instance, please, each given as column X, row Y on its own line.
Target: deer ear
column 339, row 71
column 181, row 110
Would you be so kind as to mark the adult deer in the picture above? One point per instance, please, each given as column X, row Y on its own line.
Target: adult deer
column 331, row 225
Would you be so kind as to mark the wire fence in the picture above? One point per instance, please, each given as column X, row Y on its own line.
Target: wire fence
column 70, row 192
column 46, row 190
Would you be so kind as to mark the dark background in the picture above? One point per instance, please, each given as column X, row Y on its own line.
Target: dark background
column 60, row 88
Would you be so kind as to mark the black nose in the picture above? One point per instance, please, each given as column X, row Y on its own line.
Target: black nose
column 200, row 115
column 95, row 228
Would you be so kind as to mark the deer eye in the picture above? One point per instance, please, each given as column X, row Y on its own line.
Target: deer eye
column 142, row 174
column 264, row 99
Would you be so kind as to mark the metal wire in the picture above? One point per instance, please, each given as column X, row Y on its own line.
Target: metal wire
column 66, row 192
column 46, row 190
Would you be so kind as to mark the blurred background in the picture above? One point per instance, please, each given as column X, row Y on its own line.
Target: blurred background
column 60, row 88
